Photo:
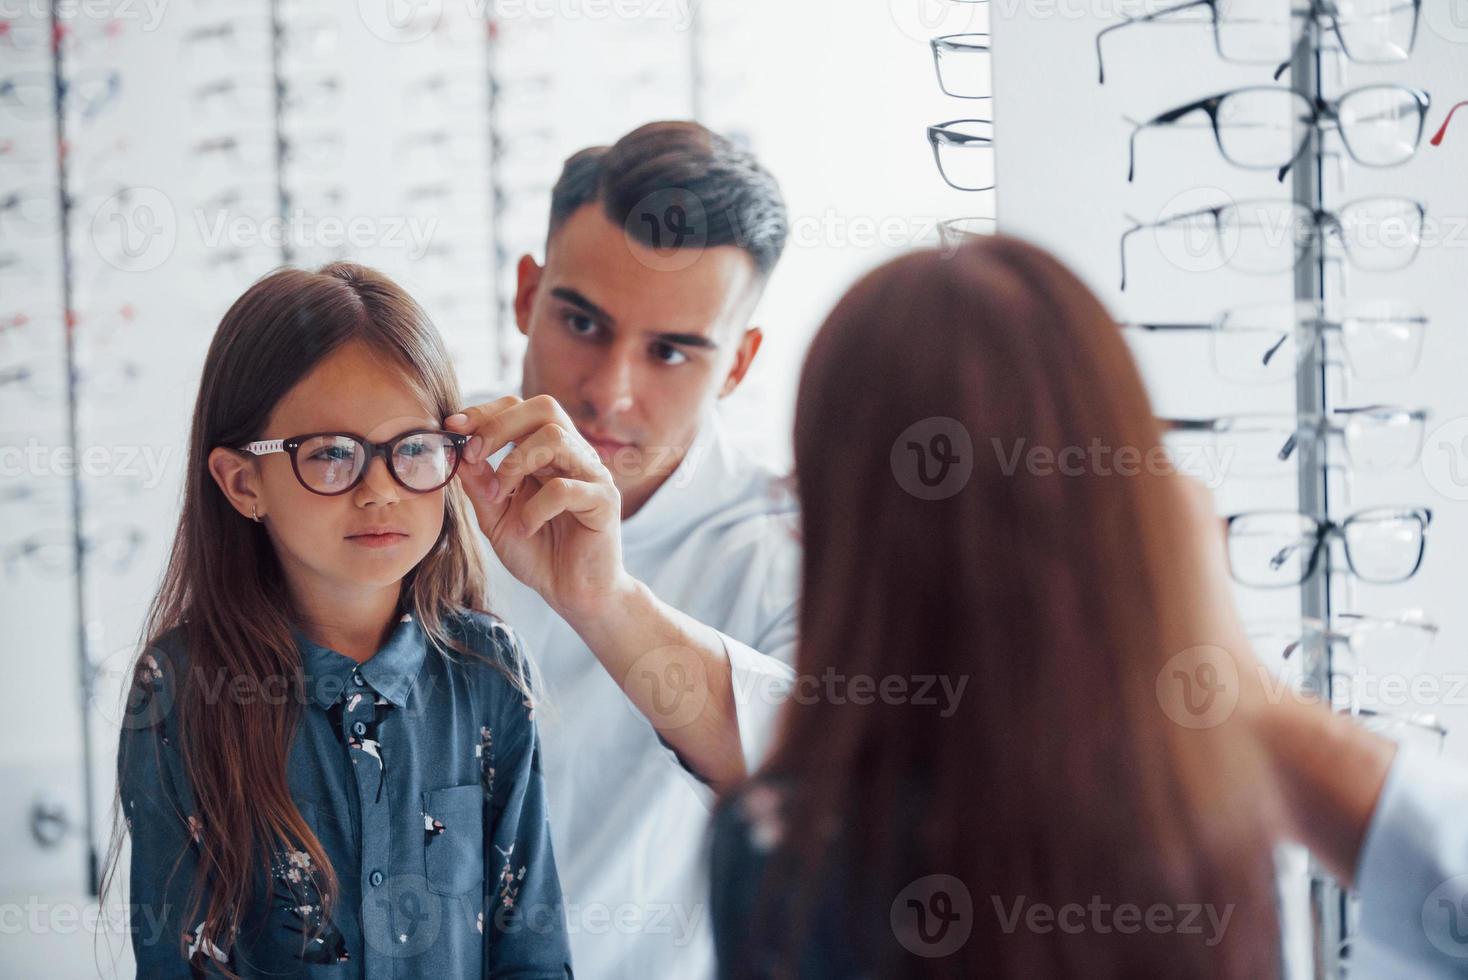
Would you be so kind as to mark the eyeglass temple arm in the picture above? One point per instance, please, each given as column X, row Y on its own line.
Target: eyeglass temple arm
column 1136, row 227
column 1304, row 39
column 1437, row 139
column 1144, row 19
column 1166, row 119
column 264, row 448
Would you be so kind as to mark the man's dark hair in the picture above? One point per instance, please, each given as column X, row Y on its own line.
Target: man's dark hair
column 664, row 165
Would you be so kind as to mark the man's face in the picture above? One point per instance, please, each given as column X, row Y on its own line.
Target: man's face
column 634, row 352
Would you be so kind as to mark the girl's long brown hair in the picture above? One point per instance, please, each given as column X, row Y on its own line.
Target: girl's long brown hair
column 1059, row 777
column 225, row 589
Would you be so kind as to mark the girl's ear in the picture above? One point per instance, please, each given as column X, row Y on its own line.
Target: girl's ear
column 239, row 479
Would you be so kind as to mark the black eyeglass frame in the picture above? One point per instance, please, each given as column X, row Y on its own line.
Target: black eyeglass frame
column 374, row 449
column 1323, row 114
column 1325, row 529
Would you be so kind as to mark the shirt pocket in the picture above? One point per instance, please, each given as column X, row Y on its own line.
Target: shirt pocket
column 453, row 838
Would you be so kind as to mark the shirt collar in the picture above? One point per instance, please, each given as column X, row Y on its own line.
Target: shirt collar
column 704, row 475
column 390, row 671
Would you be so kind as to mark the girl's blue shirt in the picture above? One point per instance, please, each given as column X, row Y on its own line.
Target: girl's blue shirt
column 419, row 772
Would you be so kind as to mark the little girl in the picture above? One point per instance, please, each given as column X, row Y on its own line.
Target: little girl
column 331, row 767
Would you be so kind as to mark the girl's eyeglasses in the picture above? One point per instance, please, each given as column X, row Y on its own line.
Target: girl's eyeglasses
column 332, row 463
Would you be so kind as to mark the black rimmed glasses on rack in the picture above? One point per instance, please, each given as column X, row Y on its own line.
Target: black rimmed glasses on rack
column 1377, row 234
column 1378, row 340
column 1371, row 438
column 964, row 152
column 1260, row 32
column 1282, row 549
column 1267, row 127
column 964, row 65
column 332, row 463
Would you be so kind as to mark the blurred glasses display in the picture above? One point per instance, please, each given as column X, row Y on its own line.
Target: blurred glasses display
column 52, row 553
column 1267, row 32
column 1372, row 438
column 1264, row 343
column 1281, row 549
column 1377, row 234
column 1417, row 729
column 31, row 95
column 1379, row 643
column 955, row 231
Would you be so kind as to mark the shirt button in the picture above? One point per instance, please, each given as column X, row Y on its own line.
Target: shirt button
column 357, row 680
column 359, row 728
column 375, row 878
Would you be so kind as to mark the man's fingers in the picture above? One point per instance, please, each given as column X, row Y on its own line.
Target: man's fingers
column 551, row 451
column 506, row 420
column 482, row 485
column 594, row 505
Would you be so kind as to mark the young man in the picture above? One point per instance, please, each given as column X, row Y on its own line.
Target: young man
column 650, row 569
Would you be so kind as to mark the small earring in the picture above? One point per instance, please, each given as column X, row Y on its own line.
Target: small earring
column 255, row 513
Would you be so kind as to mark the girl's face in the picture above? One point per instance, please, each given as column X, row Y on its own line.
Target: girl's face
column 322, row 541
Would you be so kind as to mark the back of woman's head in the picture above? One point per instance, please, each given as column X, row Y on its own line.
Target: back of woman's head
column 224, row 618
column 988, row 521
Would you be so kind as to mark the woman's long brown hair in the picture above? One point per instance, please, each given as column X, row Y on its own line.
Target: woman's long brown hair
column 224, row 585
column 1059, row 777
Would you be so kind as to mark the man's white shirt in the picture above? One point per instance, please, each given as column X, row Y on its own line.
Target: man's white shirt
column 1412, row 877
column 718, row 541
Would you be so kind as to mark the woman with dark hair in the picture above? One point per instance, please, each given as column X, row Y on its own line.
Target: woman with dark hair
column 986, row 504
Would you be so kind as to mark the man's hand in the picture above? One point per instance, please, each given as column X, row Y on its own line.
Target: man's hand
column 554, row 517
column 551, row 510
